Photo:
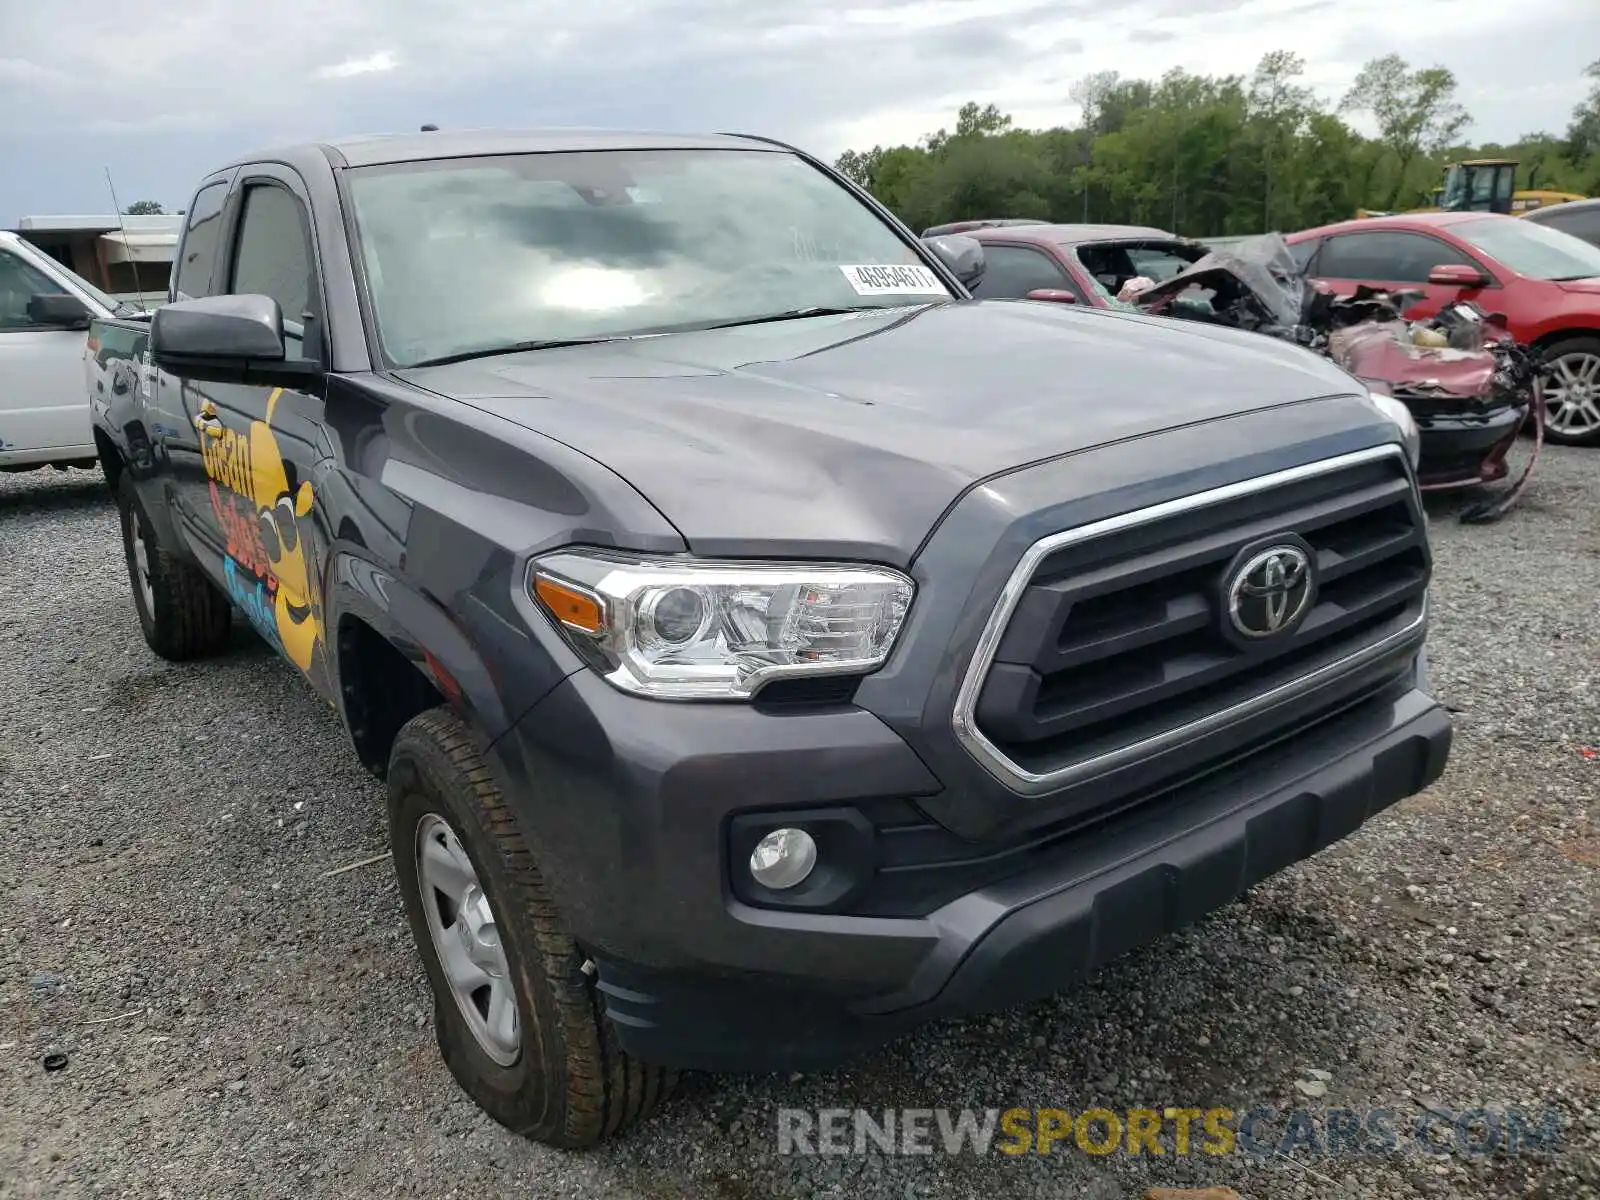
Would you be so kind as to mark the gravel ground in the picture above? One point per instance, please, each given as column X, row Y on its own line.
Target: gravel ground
column 239, row 1023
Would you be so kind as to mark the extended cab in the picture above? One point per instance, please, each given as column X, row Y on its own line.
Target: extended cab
column 44, row 311
column 767, row 646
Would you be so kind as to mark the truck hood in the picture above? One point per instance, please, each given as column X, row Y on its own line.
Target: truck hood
column 854, row 433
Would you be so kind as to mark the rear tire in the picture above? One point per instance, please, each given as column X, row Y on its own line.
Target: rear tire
column 182, row 614
column 1571, row 369
column 567, row 1082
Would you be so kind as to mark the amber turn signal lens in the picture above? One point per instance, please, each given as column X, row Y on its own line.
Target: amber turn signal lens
column 573, row 608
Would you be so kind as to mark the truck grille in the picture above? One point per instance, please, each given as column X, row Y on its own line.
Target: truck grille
column 1111, row 642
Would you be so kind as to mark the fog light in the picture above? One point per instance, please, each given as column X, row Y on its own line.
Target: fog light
column 783, row 858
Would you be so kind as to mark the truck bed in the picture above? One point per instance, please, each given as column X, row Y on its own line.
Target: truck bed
column 112, row 355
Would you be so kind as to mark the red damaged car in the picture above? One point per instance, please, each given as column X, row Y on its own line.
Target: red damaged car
column 1468, row 387
column 1545, row 283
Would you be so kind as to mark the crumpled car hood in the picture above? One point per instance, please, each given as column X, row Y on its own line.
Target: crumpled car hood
column 863, row 429
column 1380, row 354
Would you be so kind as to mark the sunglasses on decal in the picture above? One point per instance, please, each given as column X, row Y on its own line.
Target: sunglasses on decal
column 278, row 533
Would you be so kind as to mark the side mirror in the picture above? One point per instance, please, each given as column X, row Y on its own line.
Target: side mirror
column 58, row 308
column 226, row 339
column 1054, row 295
column 963, row 255
column 1456, row 275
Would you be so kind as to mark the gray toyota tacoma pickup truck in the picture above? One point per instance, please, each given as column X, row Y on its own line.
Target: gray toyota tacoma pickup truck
column 766, row 645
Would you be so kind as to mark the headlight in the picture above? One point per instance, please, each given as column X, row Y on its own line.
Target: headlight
column 680, row 629
column 1401, row 416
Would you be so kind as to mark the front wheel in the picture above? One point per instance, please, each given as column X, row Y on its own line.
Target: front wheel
column 181, row 613
column 1572, row 391
column 520, row 1024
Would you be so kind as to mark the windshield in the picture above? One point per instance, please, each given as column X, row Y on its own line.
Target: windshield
column 467, row 256
column 1535, row 251
column 110, row 303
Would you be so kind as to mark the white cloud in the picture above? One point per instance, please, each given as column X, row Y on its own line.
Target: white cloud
column 373, row 63
column 829, row 74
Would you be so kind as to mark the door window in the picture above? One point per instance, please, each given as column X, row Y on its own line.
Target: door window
column 273, row 258
column 1393, row 257
column 1014, row 271
column 20, row 282
column 192, row 280
column 1301, row 252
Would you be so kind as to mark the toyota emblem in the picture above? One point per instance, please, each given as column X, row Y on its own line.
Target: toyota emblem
column 1271, row 591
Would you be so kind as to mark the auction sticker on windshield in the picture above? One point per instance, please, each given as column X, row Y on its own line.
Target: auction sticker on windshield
column 894, row 280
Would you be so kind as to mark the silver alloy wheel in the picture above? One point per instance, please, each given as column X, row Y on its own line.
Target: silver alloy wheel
column 141, row 560
column 1572, row 394
column 467, row 940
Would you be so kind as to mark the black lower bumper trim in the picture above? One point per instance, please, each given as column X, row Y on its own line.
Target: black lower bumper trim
column 1057, row 941
column 1121, row 888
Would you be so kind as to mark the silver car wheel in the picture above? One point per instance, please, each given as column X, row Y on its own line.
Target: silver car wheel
column 466, row 939
column 1572, row 393
column 141, row 560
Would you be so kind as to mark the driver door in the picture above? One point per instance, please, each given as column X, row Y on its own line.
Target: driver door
column 44, row 405
column 263, row 448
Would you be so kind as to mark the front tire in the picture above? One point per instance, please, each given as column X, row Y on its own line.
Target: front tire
column 1571, row 370
column 519, row 1023
column 181, row 613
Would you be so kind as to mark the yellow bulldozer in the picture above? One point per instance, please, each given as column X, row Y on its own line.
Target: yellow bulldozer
column 1486, row 185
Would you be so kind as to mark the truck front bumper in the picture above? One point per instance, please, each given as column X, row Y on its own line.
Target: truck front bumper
column 631, row 803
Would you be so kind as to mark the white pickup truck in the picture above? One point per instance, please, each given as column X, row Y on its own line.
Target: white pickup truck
column 44, row 319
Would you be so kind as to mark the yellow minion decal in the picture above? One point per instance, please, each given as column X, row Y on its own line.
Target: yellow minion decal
column 278, row 515
column 268, row 566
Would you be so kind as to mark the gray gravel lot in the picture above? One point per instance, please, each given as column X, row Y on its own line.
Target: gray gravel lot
column 238, row 1023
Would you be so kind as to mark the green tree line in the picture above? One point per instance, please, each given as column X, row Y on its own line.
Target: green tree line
column 1211, row 155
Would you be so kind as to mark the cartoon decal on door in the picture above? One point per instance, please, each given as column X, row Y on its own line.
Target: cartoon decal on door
column 268, row 568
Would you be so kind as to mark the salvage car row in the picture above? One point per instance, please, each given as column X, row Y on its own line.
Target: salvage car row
column 766, row 647
column 1486, row 326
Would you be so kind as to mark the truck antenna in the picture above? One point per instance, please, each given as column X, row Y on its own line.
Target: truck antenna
column 122, row 228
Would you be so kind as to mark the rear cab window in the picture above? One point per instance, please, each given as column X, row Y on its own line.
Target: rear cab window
column 198, row 253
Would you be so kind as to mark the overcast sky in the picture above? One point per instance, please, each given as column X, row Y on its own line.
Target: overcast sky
column 160, row 99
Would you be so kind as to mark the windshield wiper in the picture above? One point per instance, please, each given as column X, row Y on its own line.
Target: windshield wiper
column 815, row 310
column 793, row 314
column 515, row 348
column 1573, row 278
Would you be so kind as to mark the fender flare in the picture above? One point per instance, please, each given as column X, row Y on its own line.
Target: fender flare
column 417, row 627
